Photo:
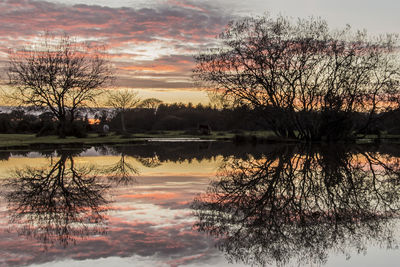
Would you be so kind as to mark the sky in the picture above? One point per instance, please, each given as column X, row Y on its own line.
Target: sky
column 152, row 42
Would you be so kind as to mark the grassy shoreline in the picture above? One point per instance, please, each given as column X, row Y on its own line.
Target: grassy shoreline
column 24, row 141
column 14, row 141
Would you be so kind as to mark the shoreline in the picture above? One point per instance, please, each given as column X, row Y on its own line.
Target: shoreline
column 27, row 141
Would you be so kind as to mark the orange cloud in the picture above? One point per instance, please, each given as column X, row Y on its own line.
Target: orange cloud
column 159, row 68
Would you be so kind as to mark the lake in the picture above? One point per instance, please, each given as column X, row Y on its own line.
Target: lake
column 201, row 204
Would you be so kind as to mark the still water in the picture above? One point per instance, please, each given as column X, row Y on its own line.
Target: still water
column 201, row 204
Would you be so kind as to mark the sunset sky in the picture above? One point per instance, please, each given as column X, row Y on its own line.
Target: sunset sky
column 152, row 42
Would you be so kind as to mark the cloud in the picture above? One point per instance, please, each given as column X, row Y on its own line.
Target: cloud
column 151, row 46
column 115, row 26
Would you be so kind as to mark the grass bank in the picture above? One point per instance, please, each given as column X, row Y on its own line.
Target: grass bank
column 9, row 141
column 21, row 141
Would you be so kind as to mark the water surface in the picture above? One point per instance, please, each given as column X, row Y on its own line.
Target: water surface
column 201, row 204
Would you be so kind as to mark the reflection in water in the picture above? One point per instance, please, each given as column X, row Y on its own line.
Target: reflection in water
column 150, row 162
column 57, row 204
column 281, row 204
column 65, row 202
column 122, row 172
column 296, row 205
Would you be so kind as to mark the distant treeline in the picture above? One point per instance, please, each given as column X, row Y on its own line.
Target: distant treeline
column 171, row 117
column 189, row 117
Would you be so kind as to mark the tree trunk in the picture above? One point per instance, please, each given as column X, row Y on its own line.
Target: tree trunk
column 62, row 127
column 123, row 122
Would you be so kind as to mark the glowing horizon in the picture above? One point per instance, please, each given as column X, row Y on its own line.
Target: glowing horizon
column 152, row 43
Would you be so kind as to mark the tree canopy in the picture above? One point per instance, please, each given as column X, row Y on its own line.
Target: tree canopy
column 306, row 79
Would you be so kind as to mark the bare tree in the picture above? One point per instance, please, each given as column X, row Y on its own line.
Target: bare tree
column 122, row 101
column 306, row 79
column 151, row 103
column 59, row 75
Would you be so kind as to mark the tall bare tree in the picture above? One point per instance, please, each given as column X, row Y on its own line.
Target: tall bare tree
column 122, row 101
column 305, row 78
column 60, row 75
column 151, row 103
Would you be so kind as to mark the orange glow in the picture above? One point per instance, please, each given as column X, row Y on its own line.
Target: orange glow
column 163, row 68
column 93, row 121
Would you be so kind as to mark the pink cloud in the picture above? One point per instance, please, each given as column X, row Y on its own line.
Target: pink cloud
column 180, row 26
column 27, row 18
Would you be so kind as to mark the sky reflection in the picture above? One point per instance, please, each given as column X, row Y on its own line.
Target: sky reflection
column 150, row 221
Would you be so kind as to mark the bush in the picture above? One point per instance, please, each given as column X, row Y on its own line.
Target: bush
column 48, row 128
column 169, row 122
column 77, row 129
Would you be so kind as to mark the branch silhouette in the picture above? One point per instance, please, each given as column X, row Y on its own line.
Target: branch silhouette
column 58, row 204
column 297, row 204
column 122, row 172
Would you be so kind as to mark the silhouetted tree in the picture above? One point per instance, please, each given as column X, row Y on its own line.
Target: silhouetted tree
column 122, row 101
column 59, row 75
column 151, row 103
column 307, row 80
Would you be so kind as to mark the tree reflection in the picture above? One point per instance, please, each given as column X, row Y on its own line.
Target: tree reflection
column 296, row 205
column 58, row 204
column 152, row 161
column 122, row 172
